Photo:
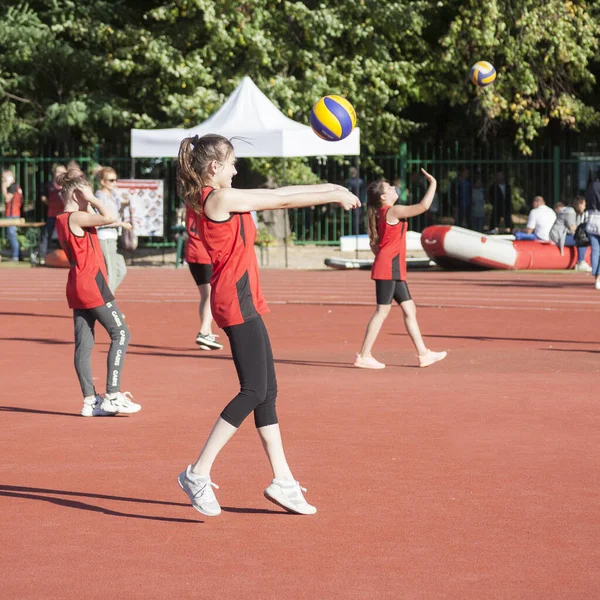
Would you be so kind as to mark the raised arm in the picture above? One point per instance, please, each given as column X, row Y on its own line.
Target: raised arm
column 81, row 219
column 221, row 203
column 400, row 211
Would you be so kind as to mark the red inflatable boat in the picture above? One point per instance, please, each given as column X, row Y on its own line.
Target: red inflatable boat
column 457, row 248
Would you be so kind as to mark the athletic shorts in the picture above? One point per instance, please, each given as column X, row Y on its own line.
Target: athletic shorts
column 200, row 273
column 386, row 290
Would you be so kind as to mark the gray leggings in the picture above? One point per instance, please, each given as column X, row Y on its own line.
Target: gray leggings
column 111, row 318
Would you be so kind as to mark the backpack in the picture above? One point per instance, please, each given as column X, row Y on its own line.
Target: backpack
column 129, row 238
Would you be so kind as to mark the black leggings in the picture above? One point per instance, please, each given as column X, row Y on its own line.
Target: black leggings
column 253, row 358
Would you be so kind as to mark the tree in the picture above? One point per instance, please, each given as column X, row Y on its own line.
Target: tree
column 88, row 72
column 542, row 52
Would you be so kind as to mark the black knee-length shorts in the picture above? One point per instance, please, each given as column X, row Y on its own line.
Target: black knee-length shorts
column 388, row 290
column 200, row 273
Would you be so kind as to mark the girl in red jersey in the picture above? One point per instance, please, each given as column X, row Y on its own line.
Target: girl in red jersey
column 200, row 266
column 225, row 225
column 89, row 296
column 387, row 226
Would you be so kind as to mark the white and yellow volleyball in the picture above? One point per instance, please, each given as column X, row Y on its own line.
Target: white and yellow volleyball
column 333, row 118
column 483, row 73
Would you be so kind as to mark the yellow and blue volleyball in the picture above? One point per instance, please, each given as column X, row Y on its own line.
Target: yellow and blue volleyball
column 483, row 73
column 333, row 118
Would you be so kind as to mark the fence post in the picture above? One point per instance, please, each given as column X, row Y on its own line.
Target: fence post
column 403, row 159
column 556, row 163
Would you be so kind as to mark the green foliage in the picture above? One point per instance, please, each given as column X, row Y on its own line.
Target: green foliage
column 297, row 171
column 542, row 52
column 264, row 238
column 90, row 71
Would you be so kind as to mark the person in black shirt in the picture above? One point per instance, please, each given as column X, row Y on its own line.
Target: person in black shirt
column 500, row 197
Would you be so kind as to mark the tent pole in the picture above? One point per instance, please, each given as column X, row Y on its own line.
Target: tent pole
column 285, row 219
column 358, row 210
column 132, row 168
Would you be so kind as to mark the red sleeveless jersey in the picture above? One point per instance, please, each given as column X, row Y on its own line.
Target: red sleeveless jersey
column 390, row 262
column 195, row 252
column 86, row 284
column 235, row 296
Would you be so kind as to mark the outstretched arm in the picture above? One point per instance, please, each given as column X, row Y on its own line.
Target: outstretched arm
column 400, row 211
column 224, row 201
column 297, row 189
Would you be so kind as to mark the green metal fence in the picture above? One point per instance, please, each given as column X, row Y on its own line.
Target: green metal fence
column 555, row 171
column 34, row 173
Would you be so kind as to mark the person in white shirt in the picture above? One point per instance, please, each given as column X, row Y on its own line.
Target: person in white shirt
column 563, row 230
column 109, row 234
column 540, row 221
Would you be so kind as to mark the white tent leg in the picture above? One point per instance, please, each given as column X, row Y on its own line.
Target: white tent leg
column 285, row 220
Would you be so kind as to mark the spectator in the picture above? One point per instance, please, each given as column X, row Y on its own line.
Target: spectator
column 592, row 199
column 500, row 197
column 402, row 199
column 462, row 198
column 109, row 234
column 540, row 222
column 53, row 200
column 564, row 227
column 357, row 186
column 13, row 200
column 478, row 205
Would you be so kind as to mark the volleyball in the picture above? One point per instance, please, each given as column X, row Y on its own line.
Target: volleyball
column 333, row 118
column 483, row 73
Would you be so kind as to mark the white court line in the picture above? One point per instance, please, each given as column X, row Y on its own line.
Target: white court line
column 306, row 297
column 334, row 303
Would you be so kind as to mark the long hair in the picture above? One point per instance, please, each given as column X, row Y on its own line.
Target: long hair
column 69, row 181
column 374, row 192
column 195, row 154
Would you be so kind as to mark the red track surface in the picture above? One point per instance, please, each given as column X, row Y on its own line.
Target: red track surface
column 475, row 478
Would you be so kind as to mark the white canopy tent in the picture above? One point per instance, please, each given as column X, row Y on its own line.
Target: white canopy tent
column 258, row 127
column 250, row 115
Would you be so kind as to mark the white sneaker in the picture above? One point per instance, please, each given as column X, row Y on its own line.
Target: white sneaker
column 431, row 357
column 200, row 492
column 208, row 342
column 92, row 407
column 597, row 284
column 122, row 403
column 288, row 495
column 368, row 362
column 583, row 267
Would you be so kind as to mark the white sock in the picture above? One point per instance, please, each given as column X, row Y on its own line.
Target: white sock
column 90, row 399
column 198, row 478
column 110, row 396
column 285, row 478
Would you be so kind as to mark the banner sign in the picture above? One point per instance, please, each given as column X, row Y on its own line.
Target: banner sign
column 146, row 200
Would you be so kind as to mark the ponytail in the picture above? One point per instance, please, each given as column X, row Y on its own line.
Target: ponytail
column 374, row 192
column 195, row 155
